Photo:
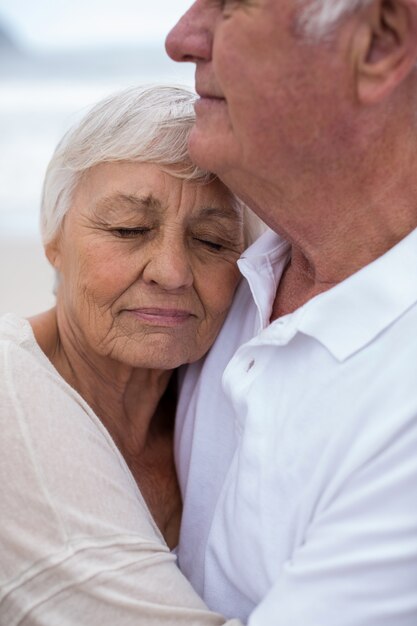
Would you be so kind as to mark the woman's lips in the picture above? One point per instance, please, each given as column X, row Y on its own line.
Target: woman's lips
column 162, row 317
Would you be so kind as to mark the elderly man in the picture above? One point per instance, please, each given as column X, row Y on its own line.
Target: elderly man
column 300, row 479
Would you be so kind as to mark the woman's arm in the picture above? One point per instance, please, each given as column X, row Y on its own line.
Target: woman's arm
column 77, row 542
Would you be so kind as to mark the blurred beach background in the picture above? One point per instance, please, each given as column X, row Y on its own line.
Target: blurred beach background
column 57, row 58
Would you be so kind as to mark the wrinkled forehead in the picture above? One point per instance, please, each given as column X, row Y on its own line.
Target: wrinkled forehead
column 127, row 193
column 209, row 206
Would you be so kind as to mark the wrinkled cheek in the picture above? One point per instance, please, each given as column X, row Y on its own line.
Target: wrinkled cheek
column 215, row 321
column 95, row 288
column 86, row 306
column 232, row 285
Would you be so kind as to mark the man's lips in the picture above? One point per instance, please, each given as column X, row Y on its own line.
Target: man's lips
column 208, row 93
column 208, row 102
column 162, row 317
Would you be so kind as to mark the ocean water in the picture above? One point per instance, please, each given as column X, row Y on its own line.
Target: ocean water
column 41, row 97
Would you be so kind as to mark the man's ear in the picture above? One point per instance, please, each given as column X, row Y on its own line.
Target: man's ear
column 385, row 48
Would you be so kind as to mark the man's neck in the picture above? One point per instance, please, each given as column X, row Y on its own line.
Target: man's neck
column 334, row 237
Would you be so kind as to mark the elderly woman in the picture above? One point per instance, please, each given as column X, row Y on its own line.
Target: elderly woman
column 145, row 246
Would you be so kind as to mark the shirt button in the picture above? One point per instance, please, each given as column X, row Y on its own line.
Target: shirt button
column 250, row 365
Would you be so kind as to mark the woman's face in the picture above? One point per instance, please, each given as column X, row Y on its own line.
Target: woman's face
column 147, row 264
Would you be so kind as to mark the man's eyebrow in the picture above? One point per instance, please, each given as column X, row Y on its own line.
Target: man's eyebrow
column 129, row 201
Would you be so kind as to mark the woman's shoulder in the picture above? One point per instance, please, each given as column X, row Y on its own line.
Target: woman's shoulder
column 65, row 488
column 20, row 355
column 58, row 445
column 14, row 330
column 32, row 389
column 31, row 386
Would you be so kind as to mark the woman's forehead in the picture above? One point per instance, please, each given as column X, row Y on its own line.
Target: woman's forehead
column 131, row 189
column 211, row 208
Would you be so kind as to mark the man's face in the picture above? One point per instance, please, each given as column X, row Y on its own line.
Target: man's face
column 269, row 99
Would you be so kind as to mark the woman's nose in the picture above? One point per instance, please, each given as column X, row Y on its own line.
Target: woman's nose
column 191, row 37
column 169, row 267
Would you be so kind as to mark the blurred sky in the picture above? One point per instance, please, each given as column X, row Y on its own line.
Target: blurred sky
column 63, row 24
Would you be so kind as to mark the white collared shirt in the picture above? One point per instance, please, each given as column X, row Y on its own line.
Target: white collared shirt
column 298, row 464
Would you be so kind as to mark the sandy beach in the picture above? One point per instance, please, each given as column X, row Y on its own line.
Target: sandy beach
column 26, row 278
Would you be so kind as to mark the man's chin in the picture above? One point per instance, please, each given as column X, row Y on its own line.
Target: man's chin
column 206, row 148
column 212, row 152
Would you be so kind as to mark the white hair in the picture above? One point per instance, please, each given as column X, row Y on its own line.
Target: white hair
column 144, row 124
column 321, row 16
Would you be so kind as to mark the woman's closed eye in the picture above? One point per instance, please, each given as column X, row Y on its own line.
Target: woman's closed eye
column 224, row 242
column 209, row 243
column 129, row 233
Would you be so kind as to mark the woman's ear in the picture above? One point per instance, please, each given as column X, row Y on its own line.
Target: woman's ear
column 53, row 253
column 385, row 46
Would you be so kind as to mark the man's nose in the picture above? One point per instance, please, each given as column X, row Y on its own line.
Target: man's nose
column 169, row 267
column 191, row 38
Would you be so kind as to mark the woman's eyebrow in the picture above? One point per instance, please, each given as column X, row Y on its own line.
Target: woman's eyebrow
column 132, row 202
column 228, row 212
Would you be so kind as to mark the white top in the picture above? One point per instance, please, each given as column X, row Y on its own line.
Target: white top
column 300, row 479
column 78, row 546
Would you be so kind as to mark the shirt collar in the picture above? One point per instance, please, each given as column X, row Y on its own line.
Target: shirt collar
column 262, row 265
column 347, row 317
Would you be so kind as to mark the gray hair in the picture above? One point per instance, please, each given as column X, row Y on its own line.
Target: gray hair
column 321, row 16
column 145, row 124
